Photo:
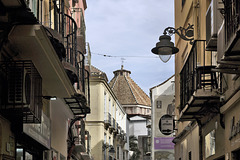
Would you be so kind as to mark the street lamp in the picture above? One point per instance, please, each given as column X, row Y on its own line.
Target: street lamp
column 165, row 48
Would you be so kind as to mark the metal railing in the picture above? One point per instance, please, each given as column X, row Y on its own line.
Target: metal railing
column 107, row 118
column 83, row 74
column 117, row 126
column 232, row 17
column 57, row 17
column 114, row 123
column 196, row 72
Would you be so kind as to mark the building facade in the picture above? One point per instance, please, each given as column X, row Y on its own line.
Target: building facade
column 107, row 123
column 207, row 80
column 162, row 98
column 44, row 89
column 136, row 104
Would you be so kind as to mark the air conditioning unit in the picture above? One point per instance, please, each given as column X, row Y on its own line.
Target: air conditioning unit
column 19, row 86
column 213, row 23
column 221, row 42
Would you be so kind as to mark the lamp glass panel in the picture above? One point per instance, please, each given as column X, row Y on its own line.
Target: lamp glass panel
column 165, row 58
column 165, row 51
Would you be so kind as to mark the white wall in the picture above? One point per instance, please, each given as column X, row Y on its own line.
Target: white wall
column 164, row 92
column 137, row 126
column 59, row 115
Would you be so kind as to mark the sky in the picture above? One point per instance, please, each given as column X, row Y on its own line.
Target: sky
column 124, row 32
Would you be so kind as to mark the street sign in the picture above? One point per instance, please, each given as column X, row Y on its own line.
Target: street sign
column 166, row 124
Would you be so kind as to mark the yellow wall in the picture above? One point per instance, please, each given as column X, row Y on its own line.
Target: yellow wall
column 193, row 12
column 96, row 130
column 95, row 120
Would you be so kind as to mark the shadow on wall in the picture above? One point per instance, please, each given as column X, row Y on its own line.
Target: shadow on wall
column 97, row 151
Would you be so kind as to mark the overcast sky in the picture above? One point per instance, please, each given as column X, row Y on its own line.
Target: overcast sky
column 127, row 30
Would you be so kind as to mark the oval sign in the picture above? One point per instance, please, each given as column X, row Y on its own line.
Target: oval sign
column 166, row 124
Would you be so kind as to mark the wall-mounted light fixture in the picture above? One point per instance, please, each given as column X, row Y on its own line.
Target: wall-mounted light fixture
column 52, row 98
column 165, row 48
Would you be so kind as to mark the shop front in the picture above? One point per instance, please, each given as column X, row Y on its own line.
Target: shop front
column 232, row 131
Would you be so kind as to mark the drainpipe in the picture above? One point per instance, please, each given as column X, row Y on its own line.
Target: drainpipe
column 200, row 139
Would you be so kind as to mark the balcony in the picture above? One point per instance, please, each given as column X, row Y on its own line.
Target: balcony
column 232, row 19
column 114, row 123
column 21, row 91
column 229, row 49
column 107, row 120
column 115, row 131
column 198, row 84
column 148, row 123
column 52, row 35
column 82, row 148
column 112, row 128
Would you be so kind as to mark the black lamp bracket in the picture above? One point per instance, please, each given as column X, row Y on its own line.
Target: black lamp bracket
column 184, row 33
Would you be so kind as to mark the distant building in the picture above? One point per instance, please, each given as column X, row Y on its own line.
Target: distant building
column 134, row 100
column 107, row 123
column 162, row 103
column 136, row 104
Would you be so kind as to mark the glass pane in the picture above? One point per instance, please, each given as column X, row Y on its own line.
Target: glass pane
column 210, row 144
column 28, row 156
column 19, row 154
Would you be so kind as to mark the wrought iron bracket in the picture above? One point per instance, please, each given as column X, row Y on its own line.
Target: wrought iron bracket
column 184, row 33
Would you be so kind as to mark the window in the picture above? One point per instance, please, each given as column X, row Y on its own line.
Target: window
column 159, row 104
column 105, row 151
column 210, row 144
column 109, row 105
column 105, row 101
column 236, row 154
column 190, row 155
column 118, row 152
column 54, row 154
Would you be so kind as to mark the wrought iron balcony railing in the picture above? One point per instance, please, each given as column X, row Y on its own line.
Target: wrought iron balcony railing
column 196, row 73
column 117, row 127
column 114, row 123
column 62, row 29
column 107, row 118
column 232, row 18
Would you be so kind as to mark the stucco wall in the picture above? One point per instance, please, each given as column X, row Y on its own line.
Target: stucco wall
column 60, row 114
column 137, row 126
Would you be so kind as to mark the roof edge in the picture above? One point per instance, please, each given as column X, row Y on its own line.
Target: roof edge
column 162, row 83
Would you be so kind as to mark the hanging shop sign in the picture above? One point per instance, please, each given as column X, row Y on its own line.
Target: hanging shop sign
column 166, row 124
